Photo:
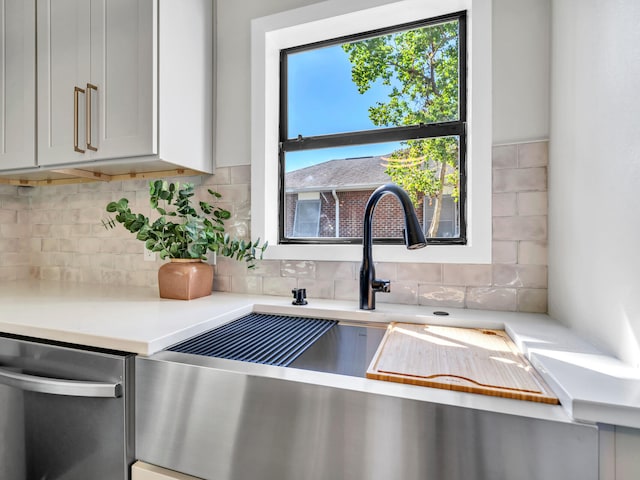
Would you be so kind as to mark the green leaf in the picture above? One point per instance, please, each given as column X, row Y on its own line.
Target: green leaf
column 222, row 214
column 192, row 237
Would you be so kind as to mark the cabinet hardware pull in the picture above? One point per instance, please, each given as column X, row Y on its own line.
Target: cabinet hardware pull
column 89, row 88
column 76, row 91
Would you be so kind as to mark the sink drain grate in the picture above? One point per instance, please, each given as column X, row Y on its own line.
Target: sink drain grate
column 258, row 338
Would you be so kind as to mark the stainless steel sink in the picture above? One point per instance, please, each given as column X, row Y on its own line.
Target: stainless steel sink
column 344, row 349
column 222, row 419
column 307, row 343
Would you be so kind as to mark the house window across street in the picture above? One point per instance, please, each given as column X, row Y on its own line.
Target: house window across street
column 385, row 106
column 306, row 220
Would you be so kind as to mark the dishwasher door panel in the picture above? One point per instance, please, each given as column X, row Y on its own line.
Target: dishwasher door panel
column 12, row 426
column 65, row 414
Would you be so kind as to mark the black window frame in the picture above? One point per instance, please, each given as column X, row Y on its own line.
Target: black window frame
column 379, row 135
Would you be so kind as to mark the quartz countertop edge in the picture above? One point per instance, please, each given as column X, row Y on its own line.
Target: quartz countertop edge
column 593, row 387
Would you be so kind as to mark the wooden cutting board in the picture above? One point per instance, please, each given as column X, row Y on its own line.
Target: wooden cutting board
column 465, row 359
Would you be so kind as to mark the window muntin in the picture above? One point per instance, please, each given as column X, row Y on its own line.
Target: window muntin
column 307, row 146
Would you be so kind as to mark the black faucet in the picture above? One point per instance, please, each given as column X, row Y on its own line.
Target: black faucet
column 413, row 238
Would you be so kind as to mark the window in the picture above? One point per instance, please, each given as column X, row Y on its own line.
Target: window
column 449, row 223
column 378, row 107
column 336, row 19
column 306, row 221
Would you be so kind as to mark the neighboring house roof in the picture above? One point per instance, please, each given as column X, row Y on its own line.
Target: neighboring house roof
column 344, row 174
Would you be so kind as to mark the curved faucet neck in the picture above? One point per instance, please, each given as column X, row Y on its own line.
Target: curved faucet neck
column 413, row 237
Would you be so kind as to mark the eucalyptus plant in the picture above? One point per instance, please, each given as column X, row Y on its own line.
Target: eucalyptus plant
column 181, row 231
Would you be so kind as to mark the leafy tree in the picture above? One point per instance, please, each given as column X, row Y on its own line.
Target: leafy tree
column 421, row 68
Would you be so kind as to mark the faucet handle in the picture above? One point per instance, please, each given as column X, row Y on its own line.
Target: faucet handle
column 381, row 286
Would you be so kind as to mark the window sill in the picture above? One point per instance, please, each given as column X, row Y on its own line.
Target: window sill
column 381, row 253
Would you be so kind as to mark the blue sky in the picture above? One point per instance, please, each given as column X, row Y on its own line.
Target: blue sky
column 324, row 100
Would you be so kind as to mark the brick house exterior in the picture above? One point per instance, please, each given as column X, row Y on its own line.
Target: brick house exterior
column 351, row 208
column 351, row 181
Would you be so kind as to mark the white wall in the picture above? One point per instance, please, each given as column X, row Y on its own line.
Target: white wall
column 520, row 71
column 594, row 178
column 233, row 50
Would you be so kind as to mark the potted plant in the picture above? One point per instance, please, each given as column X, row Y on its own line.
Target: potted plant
column 184, row 235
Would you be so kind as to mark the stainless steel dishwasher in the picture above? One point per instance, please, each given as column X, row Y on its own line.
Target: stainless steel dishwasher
column 65, row 413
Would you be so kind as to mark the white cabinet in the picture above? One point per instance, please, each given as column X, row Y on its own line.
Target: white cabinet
column 17, row 83
column 95, row 80
column 123, row 87
column 146, row 471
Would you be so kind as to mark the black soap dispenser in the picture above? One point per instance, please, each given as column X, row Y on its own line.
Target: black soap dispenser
column 299, row 296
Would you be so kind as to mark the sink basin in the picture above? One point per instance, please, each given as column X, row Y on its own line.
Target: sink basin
column 464, row 359
column 345, row 349
column 298, row 342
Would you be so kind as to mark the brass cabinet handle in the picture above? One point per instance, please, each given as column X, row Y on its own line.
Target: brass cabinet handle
column 76, row 91
column 90, row 87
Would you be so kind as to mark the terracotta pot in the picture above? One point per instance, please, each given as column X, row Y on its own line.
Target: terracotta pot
column 185, row 278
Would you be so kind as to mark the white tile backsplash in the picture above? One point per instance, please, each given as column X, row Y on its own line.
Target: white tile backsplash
column 532, row 203
column 469, row 275
column 504, row 204
column 533, row 154
column 505, row 156
column 504, row 251
column 532, row 253
column 520, row 228
column 519, row 179
column 441, row 296
column 55, row 233
column 491, row 298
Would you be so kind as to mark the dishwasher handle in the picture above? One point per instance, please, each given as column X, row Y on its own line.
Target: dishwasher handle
column 55, row 386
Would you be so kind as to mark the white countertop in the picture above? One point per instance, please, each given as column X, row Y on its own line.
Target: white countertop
column 592, row 387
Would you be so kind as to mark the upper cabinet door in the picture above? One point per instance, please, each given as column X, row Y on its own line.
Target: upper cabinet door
column 64, row 56
column 17, row 83
column 96, row 82
column 123, row 47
